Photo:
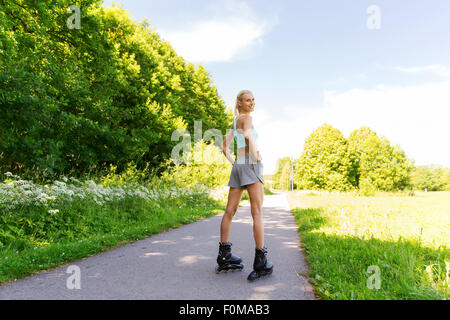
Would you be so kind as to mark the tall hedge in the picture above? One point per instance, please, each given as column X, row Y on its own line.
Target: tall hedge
column 111, row 92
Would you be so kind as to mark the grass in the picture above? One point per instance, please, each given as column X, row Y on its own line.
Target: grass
column 389, row 246
column 33, row 239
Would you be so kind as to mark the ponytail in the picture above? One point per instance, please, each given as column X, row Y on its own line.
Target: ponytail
column 236, row 110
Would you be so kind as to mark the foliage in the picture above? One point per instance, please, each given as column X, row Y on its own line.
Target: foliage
column 325, row 163
column 404, row 237
column 377, row 163
column 363, row 162
column 205, row 165
column 43, row 226
column 112, row 92
column 431, row 178
column 366, row 188
column 280, row 177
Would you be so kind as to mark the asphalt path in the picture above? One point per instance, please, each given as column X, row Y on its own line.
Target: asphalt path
column 179, row 265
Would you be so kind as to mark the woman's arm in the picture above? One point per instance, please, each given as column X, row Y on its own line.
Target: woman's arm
column 226, row 144
column 248, row 127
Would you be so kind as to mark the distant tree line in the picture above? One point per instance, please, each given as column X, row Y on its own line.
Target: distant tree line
column 431, row 178
column 111, row 92
column 363, row 161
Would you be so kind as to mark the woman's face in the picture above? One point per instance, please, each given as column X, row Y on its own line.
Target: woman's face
column 247, row 103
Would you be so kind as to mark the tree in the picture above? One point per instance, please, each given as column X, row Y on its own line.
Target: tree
column 325, row 163
column 375, row 162
column 432, row 178
column 280, row 177
column 212, row 171
column 112, row 92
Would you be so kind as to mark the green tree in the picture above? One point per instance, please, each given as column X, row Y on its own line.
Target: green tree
column 325, row 163
column 432, row 178
column 445, row 179
column 77, row 100
column 280, row 177
column 376, row 163
column 209, row 168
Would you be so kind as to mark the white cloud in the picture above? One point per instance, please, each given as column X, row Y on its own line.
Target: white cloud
column 414, row 117
column 282, row 134
column 437, row 69
column 232, row 28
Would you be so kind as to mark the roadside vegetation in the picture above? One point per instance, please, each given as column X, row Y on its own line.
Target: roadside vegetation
column 387, row 246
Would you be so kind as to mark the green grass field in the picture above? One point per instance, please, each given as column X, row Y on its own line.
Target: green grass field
column 390, row 246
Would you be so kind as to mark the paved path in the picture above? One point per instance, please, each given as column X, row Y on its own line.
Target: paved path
column 179, row 265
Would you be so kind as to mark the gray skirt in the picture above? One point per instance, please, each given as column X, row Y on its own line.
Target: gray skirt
column 245, row 172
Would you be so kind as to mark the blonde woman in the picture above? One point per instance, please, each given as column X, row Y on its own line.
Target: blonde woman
column 247, row 173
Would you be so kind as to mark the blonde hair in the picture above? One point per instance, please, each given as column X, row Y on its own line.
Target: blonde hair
column 239, row 98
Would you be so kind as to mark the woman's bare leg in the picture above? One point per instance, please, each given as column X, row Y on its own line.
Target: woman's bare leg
column 234, row 197
column 256, row 193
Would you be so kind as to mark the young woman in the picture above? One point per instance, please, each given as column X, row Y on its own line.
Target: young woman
column 247, row 173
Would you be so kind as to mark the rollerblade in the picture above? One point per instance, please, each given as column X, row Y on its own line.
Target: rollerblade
column 226, row 261
column 261, row 267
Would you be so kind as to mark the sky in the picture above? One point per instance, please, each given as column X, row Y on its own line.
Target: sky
column 383, row 64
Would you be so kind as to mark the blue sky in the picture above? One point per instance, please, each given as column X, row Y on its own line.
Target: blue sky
column 315, row 62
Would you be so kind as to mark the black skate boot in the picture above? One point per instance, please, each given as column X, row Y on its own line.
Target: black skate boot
column 227, row 261
column 261, row 267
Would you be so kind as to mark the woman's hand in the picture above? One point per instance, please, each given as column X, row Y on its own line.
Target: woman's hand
column 259, row 156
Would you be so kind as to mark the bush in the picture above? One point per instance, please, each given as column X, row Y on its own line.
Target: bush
column 366, row 188
column 212, row 171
